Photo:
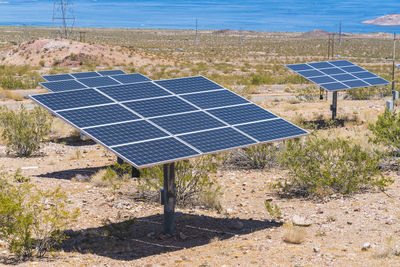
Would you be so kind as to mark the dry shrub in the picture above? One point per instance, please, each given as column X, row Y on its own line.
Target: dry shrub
column 7, row 94
column 294, row 234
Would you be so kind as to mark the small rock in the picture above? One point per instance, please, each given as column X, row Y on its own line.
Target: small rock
column 151, row 234
column 349, row 223
column 182, row 236
column 366, row 246
column 237, row 225
column 229, row 211
column 316, row 250
column 300, row 221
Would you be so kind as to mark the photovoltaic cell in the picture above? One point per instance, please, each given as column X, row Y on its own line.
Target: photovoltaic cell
column 71, row 99
column 215, row 99
column 110, row 72
column 124, row 133
column 86, row 117
column 134, row 91
column 337, row 75
column 57, row 77
column 189, row 85
column 162, row 150
column 271, row 130
column 60, row 86
column 131, row 78
column 242, row 114
column 98, row 81
column 189, row 122
column 81, row 75
column 159, row 106
column 215, row 140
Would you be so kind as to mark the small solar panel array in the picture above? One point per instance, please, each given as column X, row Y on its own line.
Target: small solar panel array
column 337, row 75
column 84, row 80
column 155, row 122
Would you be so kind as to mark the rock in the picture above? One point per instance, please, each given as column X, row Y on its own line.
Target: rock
column 316, row 250
column 229, row 211
column 366, row 246
column 151, row 234
column 182, row 236
column 300, row 221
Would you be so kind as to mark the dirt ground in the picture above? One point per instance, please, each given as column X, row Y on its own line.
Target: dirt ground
column 243, row 234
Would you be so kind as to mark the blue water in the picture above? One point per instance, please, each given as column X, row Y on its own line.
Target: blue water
column 269, row 15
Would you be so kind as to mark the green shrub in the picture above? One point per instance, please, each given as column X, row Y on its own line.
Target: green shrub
column 386, row 130
column 307, row 93
column 273, row 210
column 322, row 166
column 32, row 220
column 112, row 176
column 193, row 183
column 255, row 157
column 24, row 130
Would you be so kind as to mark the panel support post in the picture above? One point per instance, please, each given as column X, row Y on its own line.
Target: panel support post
column 169, row 198
column 321, row 96
column 393, row 68
column 334, row 105
column 135, row 172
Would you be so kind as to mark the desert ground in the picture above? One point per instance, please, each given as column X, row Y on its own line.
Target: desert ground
column 361, row 229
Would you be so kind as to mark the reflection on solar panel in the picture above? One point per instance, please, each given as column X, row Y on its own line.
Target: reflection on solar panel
column 151, row 123
column 337, row 75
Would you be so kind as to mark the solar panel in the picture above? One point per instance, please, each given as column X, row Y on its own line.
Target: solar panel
column 98, row 81
column 189, row 85
column 59, row 86
column 57, row 77
column 89, row 74
column 131, row 78
column 147, row 124
column 337, row 75
column 72, row 76
column 110, row 72
column 134, row 91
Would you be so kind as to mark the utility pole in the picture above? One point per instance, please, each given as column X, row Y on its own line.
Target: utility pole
column 340, row 34
column 63, row 17
column 196, row 33
column 394, row 59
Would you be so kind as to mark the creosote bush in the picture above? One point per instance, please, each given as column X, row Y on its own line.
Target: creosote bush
column 255, row 157
column 193, row 183
column 322, row 166
column 386, row 130
column 112, row 176
column 32, row 220
column 24, row 130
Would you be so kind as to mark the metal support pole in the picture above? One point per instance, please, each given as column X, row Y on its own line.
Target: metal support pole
column 135, row 172
column 321, row 96
column 394, row 57
column 169, row 198
column 334, row 105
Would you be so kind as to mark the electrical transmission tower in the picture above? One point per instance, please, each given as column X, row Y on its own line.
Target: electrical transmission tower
column 63, row 17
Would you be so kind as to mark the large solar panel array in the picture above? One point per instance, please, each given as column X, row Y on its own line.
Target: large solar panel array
column 337, row 75
column 157, row 122
column 84, row 80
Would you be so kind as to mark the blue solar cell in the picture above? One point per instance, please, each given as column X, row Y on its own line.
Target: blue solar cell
column 344, row 77
column 242, row 114
column 153, row 152
column 321, row 65
column 134, row 91
column 89, row 74
column 333, row 86
column 124, row 133
column 57, row 77
column 311, row 73
column 63, row 85
column 299, row 67
column 189, row 85
column 352, row 69
column 215, row 99
column 341, row 63
column 355, row 83
column 332, row 71
column 86, row 117
column 271, row 130
column 71, row 99
column 98, row 81
column 376, row 81
column 215, row 140
column 322, row 79
column 110, row 72
column 131, row 78
column 364, row 75
column 189, row 122
column 159, row 106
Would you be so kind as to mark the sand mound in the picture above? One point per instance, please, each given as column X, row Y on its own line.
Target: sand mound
column 61, row 52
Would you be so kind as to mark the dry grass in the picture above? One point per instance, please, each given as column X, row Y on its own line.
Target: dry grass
column 294, row 234
column 98, row 179
column 7, row 94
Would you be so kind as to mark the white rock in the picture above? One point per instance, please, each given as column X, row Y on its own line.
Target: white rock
column 229, row 211
column 366, row 246
column 300, row 221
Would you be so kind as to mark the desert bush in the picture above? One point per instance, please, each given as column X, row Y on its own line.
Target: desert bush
column 386, row 130
column 273, row 210
column 255, row 157
column 307, row 93
column 294, row 234
column 24, row 130
column 112, row 176
column 32, row 220
column 322, row 166
column 193, row 183
column 367, row 93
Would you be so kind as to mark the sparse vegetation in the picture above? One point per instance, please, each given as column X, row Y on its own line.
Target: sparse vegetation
column 24, row 130
column 386, row 130
column 294, row 234
column 273, row 210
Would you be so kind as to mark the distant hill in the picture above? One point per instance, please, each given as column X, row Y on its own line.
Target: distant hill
column 388, row 20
